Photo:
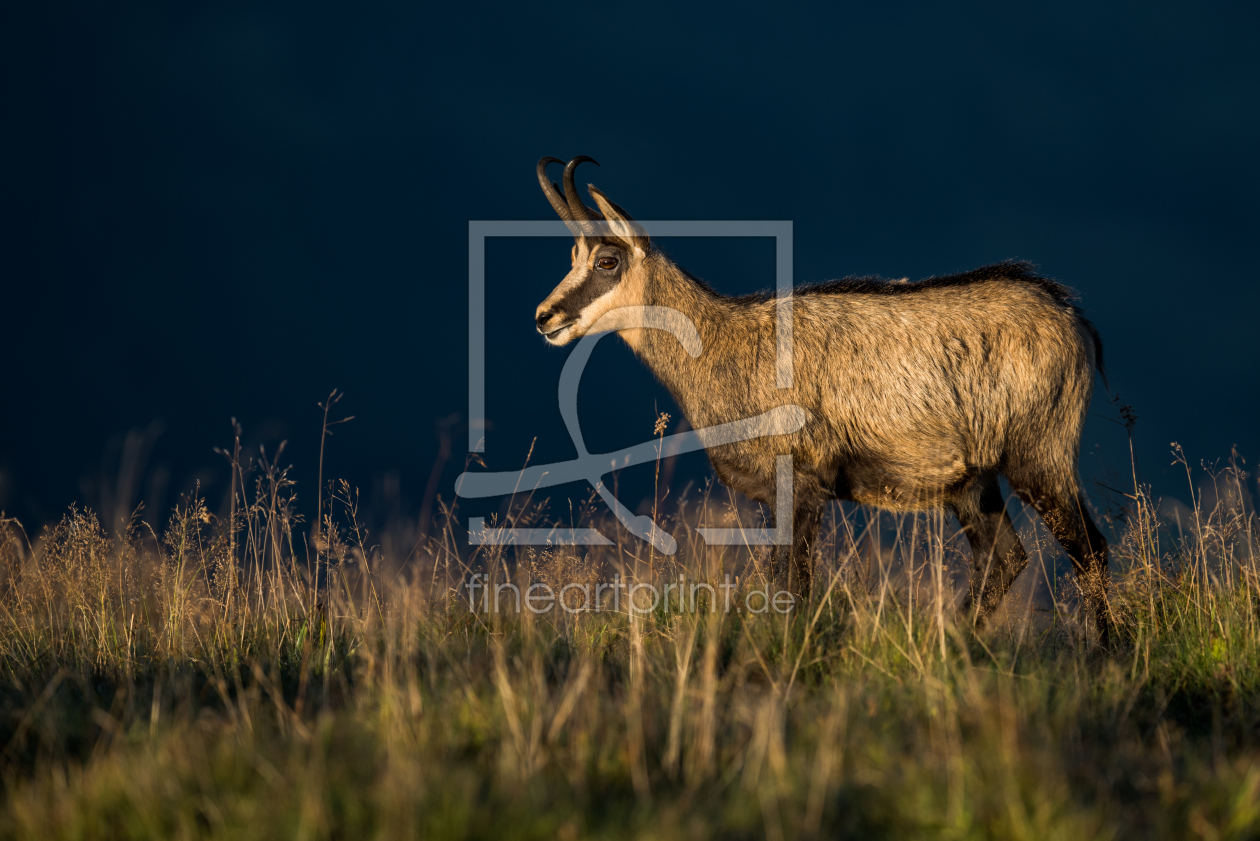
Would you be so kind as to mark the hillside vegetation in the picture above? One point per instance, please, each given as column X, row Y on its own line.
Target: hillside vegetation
column 249, row 675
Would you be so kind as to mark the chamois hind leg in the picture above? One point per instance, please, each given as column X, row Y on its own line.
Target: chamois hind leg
column 1068, row 519
column 997, row 556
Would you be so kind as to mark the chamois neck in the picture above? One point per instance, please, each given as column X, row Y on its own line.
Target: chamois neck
column 669, row 286
column 716, row 319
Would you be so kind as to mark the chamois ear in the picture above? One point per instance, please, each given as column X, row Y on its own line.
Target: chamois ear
column 622, row 224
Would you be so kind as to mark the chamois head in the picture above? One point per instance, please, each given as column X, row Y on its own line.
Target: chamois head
column 608, row 253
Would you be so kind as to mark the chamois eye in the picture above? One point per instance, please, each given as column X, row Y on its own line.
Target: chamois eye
column 607, row 263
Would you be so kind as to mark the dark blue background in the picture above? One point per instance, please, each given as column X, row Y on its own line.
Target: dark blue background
column 225, row 210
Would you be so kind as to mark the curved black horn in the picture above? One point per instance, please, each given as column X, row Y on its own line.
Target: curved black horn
column 594, row 214
column 552, row 192
column 579, row 211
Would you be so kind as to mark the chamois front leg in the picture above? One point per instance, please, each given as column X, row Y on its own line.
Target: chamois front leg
column 792, row 566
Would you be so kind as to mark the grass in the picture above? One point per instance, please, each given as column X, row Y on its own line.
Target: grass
column 243, row 677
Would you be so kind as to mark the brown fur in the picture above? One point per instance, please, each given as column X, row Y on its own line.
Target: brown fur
column 919, row 395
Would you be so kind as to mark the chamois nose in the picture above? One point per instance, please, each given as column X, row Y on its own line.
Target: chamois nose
column 543, row 319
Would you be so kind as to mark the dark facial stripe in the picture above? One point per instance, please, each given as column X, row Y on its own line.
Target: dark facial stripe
column 596, row 283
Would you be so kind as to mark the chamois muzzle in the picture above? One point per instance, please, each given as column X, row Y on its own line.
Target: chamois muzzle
column 550, row 321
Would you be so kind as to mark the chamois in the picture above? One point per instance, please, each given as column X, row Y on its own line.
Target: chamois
column 918, row 394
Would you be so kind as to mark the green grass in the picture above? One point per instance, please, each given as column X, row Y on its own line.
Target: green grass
column 222, row 680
